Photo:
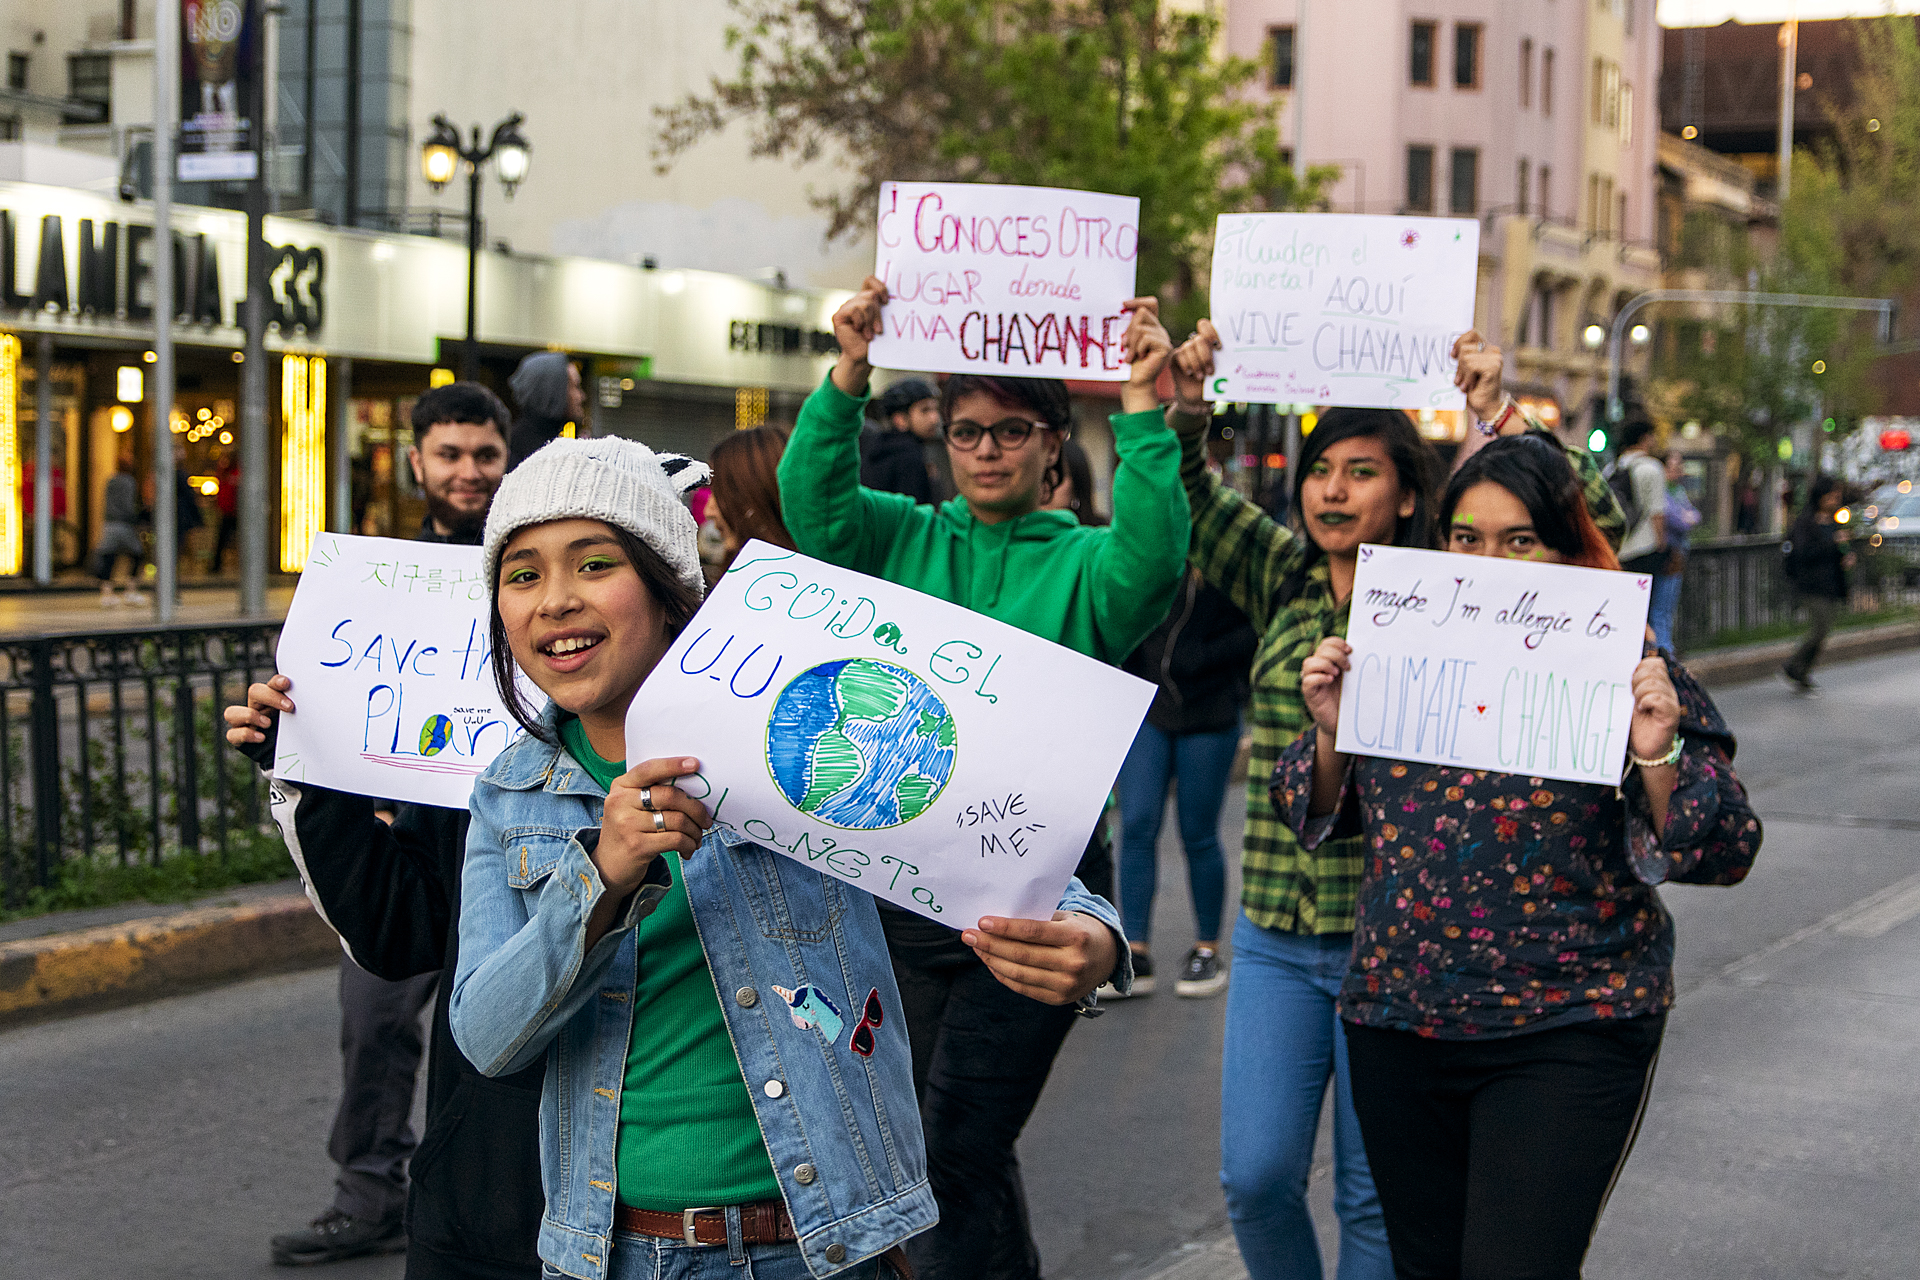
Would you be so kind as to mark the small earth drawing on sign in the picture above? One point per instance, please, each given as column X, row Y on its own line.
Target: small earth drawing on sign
column 435, row 733
column 860, row 744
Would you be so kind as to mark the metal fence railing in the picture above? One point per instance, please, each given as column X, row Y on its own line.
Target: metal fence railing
column 111, row 747
column 1732, row 584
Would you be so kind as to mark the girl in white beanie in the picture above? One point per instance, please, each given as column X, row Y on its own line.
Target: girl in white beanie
column 727, row 1067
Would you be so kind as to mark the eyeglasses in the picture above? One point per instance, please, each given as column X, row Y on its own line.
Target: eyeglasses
column 862, row 1041
column 1008, row 433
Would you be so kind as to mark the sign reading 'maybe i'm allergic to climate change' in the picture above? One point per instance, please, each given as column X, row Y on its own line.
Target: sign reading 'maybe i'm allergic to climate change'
column 393, row 688
column 1489, row 663
column 1021, row 281
column 1341, row 309
column 932, row 756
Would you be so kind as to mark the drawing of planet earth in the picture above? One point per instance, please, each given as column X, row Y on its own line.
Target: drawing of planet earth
column 860, row 744
column 435, row 733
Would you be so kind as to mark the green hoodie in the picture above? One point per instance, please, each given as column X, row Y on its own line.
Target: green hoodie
column 1097, row 590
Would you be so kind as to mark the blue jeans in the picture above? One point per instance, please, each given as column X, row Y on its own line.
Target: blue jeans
column 1665, row 604
column 650, row 1258
column 1283, row 1045
column 1201, row 761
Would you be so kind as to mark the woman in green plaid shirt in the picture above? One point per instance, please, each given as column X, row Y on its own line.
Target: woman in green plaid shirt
column 1364, row 475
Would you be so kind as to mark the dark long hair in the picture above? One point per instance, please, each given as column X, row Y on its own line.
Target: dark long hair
column 1047, row 397
column 1415, row 466
column 746, row 483
column 675, row 598
column 1820, row 487
column 1535, row 470
column 1079, row 474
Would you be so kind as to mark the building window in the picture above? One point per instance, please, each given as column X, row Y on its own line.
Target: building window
column 1606, row 93
column 1546, row 191
column 9, row 128
column 17, row 64
column 1546, row 83
column 1420, row 179
column 1420, row 54
column 1526, row 73
column 1523, row 179
column 1620, row 217
column 89, row 79
column 1466, row 55
column 1626, row 115
column 1282, row 38
column 1463, row 195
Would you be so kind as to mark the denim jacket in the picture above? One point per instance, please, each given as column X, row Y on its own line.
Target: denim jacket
column 843, row 1131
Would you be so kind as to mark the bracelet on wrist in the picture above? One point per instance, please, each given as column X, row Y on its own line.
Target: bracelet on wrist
column 1499, row 419
column 1672, row 756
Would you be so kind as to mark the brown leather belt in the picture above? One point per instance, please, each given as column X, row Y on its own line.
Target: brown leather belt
column 764, row 1222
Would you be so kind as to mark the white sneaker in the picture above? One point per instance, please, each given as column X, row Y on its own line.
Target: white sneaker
column 134, row 597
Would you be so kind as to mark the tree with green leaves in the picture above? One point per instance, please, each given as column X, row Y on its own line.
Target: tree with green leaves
column 1122, row 96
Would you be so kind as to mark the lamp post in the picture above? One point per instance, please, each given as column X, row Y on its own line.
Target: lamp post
column 440, row 157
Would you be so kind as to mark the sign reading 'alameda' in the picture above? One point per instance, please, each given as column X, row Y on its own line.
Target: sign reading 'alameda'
column 1488, row 663
column 1341, row 309
column 932, row 756
column 393, row 688
column 1020, row 281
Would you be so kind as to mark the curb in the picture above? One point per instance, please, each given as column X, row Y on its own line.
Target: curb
column 118, row 964
column 1752, row 662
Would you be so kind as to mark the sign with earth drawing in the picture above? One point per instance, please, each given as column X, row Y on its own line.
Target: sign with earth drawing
column 386, row 645
column 932, row 756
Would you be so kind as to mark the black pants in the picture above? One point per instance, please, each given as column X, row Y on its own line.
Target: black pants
column 1821, row 611
column 380, row 1047
column 981, row 1056
column 1494, row 1158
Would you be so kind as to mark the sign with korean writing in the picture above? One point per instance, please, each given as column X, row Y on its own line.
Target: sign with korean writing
column 928, row 754
column 1020, row 281
column 219, row 71
column 387, row 647
column 1490, row 663
column 1341, row 309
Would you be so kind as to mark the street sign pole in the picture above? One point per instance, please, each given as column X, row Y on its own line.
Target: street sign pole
column 166, row 119
column 254, row 529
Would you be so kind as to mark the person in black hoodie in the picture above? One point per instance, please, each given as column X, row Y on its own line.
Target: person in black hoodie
column 392, row 893
column 548, row 390
column 1817, row 564
column 894, row 459
column 1200, row 658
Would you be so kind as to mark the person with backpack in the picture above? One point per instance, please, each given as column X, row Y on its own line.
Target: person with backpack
column 1639, row 482
column 1817, row 564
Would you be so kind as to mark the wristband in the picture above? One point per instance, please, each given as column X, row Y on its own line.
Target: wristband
column 1499, row 420
column 1672, row 756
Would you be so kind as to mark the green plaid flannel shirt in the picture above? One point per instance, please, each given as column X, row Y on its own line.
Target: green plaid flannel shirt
column 1248, row 556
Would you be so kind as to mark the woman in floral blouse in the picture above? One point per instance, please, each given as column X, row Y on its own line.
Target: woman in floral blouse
column 1512, row 963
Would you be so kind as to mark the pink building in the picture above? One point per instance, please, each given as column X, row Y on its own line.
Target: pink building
column 1537, row 117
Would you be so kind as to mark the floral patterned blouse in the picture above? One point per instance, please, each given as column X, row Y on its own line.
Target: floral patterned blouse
column 1493, row 904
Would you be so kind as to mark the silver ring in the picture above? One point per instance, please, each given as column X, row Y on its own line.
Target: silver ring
column 659, row 821
column 646, row 799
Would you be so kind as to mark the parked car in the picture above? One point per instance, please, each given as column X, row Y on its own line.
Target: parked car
column 1892, row 512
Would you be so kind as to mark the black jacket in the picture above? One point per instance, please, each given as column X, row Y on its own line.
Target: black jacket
column 392, row 893
column 1200, row 657
column 894, row 461
column 1816, row 561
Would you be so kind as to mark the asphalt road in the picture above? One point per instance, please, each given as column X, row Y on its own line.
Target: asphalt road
column 170, row 1140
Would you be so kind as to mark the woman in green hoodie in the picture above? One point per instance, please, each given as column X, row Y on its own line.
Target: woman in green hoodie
column 979, row 1057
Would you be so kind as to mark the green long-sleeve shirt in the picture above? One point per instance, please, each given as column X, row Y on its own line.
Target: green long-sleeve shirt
column 1096, row 590
column 1250, row 558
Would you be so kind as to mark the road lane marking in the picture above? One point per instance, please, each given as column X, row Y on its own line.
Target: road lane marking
column 1842, row 820
column 1900, row 891
column 1872, row 921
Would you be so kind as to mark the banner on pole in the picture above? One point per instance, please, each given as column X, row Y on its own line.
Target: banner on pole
column 219, row 73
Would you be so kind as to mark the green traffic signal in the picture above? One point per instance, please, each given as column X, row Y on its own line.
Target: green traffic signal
column 1597, row 440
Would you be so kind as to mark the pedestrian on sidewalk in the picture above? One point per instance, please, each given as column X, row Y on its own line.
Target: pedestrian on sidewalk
column 550, row 396
column 470, row 1208
column 1512, row 964
column 1817, row 565
column 608, row 927
column 1198, row 659
column 1682, row 518
column 1363, row 476
column 980, row 1053
column 120, row 535
column 1639, row 482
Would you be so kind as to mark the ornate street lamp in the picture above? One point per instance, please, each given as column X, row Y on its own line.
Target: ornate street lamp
column 440, row 158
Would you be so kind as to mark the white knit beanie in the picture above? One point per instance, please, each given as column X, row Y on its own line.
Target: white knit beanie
column 621, row 482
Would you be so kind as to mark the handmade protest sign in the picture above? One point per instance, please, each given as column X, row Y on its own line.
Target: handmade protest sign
column 930, row 755
column 386, row 644
column 1490, row 663
column 1020, row 281
column 1341, row 309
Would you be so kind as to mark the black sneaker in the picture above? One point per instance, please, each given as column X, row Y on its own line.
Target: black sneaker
column 334, row 1236
column 1802, row 685
column 1201, row 976
column 1142, row 980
